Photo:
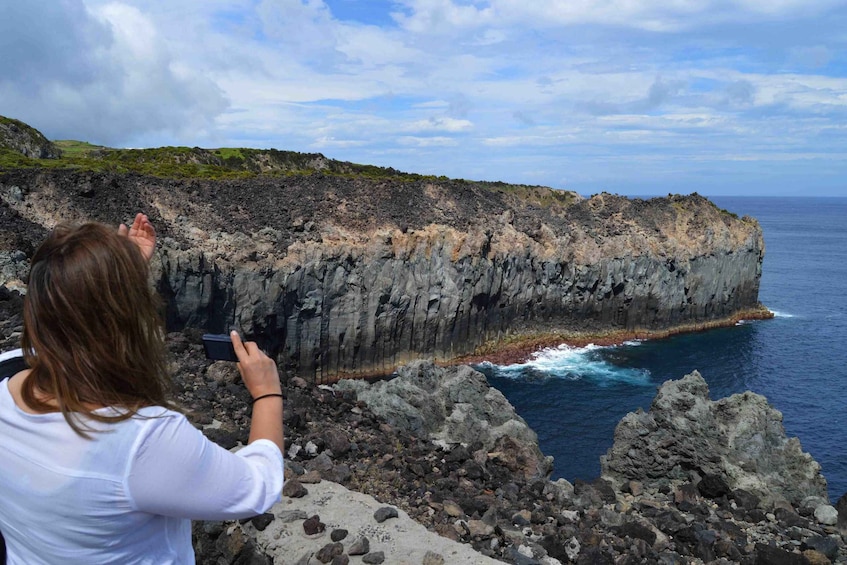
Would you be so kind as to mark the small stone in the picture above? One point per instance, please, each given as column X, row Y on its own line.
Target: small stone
column 572, row 549
column 262, row 521
column 337, row 441
column 320, row 463
column 360, row 547
column 827, row 545
column 329, row 551
column 294, row 467
column 452, row 509
column 570, row 515
column 776, row 556
column 745, row 499
column 338, row 535
column 816, row 557
column 311, row 448
column 385, row 513
column 432, row 558
column 788, row 517
column 522, row 518
column 636, row 488
column 826, row 515
column 310, row 478
column 313, row 526
column 288, row 516
column 713, row 486
column 340, row 560
column 293, row 489
column 479, row 529
column 298, row 382
column 841, row 506
column 374, row 558
column 293, row 452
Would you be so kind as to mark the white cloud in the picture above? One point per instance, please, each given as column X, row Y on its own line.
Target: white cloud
column 113, row 80
column 446, row 16
column 497, row 88
column 331, row 142
column 439, row 124
column 427, row 141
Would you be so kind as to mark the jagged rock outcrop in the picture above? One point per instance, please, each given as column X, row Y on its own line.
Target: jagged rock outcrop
column 20, row 137
column 351, row 276
column 739, row 440
column 454, row 406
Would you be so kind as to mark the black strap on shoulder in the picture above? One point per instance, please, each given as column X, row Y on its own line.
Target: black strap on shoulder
column 11, row 363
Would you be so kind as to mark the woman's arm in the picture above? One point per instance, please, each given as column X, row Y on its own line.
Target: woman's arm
column 261, row 378
column 176, row 471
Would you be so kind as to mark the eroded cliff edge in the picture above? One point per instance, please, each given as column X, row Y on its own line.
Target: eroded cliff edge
column 344, row 275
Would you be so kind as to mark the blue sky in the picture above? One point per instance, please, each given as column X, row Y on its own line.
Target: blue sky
column 634, row 97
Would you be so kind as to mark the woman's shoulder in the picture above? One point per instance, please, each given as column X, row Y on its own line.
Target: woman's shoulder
column 148, row 412
column 154, row 417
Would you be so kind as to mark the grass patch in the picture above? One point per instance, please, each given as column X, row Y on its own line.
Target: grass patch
column 231, row 163
column 73, row 149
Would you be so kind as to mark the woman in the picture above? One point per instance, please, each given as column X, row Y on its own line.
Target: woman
column 95, row 466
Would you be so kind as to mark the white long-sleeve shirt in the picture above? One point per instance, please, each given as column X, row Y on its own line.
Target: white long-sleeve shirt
column 126, row 496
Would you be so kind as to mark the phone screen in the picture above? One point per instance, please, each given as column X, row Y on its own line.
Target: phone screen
column 219, row 347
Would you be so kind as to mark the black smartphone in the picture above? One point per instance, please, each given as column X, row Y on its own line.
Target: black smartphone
column 219, row 347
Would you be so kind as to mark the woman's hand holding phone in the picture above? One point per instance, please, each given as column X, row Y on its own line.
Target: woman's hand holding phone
column 259, row 371
column 261, row 378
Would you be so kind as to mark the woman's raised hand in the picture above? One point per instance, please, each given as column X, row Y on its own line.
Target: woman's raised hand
column 142, row 233
column 262, row 380
column 259, row 371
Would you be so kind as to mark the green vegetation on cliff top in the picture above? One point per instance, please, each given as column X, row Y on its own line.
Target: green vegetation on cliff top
column 230, row 163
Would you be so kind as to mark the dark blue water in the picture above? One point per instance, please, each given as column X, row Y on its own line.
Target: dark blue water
column 573, row 398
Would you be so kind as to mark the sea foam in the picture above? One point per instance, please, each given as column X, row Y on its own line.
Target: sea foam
column 575, row 363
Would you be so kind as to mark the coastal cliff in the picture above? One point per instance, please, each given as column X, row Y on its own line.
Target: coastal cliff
column 341, row 276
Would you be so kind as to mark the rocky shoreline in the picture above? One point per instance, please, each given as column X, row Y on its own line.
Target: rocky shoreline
column 431, row 444
column 518, row 349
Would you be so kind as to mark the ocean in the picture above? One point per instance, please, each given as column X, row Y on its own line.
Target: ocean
column 574, row 397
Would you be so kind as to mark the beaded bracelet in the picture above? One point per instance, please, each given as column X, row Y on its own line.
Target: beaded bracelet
column 266, row 396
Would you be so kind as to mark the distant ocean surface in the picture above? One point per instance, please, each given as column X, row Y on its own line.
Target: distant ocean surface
column 574, row 397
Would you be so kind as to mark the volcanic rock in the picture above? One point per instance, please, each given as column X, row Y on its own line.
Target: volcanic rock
column 454, row 405
column 740, row 439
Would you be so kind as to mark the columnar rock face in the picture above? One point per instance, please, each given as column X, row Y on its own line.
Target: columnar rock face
column 347, row 276
column 739, row 439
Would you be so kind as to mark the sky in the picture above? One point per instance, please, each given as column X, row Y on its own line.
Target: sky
column 633, row 97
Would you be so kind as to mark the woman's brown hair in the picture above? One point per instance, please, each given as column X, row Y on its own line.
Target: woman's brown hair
column 92, row 334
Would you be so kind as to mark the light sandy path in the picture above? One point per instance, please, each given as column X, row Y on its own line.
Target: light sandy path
column 404, row 541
